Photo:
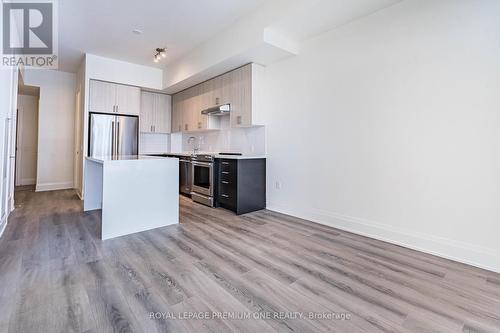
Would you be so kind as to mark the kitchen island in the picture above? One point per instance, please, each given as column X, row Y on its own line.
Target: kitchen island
column 135, row 193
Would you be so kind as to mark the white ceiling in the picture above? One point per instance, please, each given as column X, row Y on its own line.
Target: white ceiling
column 105, row 27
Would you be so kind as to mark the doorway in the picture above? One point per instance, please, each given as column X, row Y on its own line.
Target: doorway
column 27, row 137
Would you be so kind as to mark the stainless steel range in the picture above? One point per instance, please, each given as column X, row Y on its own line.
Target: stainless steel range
column 202, row 188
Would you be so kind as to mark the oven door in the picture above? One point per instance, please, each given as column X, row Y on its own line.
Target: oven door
column 202, row 178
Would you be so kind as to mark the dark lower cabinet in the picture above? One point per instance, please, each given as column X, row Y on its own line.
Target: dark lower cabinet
column 241, row 184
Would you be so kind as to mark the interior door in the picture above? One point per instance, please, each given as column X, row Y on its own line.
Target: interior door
column 101, row 135
column 127, row 131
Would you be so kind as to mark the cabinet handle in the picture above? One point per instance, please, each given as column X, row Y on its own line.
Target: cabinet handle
column 217, row 100
column 225, row 172
column 199, row 124
column 225, row 163
column 185, row 127
column 224, row 195
column 224, row 182
column 238, row 120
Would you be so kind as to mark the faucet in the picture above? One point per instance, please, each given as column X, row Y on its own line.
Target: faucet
column 193, row 140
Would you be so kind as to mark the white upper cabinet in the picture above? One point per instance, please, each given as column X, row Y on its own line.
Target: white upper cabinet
column 242, row 88
column 247, row 92
column 146, row 117
column 102, row 97
column 155, row 116
column 241, row 101
column 128, row 99
column 163, row 113
column 177, row 114
column 108, row 97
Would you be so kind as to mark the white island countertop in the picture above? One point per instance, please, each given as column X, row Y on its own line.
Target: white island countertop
column 102, row 159
column 215, row 155
column 136, row 193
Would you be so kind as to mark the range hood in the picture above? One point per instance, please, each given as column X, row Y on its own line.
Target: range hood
column 218, row 110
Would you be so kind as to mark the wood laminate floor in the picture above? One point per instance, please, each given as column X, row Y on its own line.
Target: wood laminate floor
column 57, row 276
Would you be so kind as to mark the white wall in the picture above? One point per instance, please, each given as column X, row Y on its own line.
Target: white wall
column 247, row 40
column 55, row 127
column 389, row 127
column 106, row 69
column 27, row 137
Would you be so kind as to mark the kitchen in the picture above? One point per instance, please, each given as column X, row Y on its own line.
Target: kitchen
column 123, row 118
column 277, row 166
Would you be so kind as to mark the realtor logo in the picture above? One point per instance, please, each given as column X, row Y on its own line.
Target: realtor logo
column 29, row 36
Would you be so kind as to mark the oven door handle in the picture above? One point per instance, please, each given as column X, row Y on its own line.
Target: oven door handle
column 202, row 164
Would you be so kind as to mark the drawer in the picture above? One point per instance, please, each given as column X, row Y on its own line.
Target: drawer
column 227, row 177
column 227, row 188
column 227, row 202
column 227, row 181
column 229, row 166
column 227, row 194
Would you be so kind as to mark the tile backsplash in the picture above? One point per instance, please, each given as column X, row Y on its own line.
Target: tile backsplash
column 249, row 141
column 153, row 143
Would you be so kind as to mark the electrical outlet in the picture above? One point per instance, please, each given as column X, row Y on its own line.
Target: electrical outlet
column 277, row 185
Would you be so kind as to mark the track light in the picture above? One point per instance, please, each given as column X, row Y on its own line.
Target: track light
column 160, row 53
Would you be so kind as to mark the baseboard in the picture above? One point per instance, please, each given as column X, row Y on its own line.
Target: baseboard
column 53, row 186
column 466, row 253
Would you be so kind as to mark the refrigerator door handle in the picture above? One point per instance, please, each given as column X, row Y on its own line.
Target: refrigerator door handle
column 117, row 136
column 112, row 138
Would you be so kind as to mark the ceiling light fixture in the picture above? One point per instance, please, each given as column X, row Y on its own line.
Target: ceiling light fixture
column 160, row 53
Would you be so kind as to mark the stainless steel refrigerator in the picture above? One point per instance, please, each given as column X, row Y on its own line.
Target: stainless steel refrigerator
column 112, row 135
